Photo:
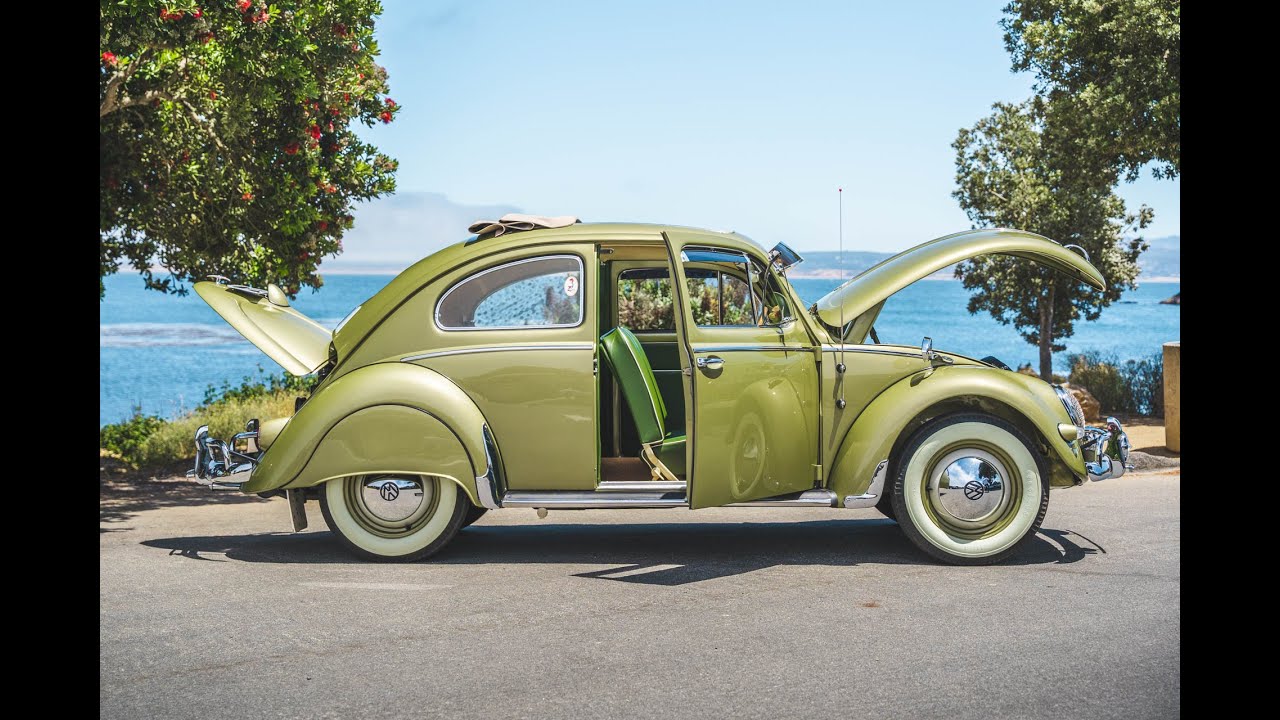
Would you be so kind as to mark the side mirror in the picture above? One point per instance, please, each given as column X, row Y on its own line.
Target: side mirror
column 931, row 357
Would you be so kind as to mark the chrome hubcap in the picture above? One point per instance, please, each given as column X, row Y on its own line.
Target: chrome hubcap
column 970, row 486
column 393, row 499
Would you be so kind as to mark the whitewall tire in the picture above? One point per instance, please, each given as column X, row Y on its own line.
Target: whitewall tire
column 393, row 517
column 970, row 489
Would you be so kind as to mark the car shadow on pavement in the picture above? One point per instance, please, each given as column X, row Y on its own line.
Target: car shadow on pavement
column 654, row 554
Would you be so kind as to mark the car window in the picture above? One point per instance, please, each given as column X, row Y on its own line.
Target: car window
column 537, row 292
column 644, row 300
column 718, row 293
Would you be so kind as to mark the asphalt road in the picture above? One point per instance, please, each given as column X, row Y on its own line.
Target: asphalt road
column 215, row 610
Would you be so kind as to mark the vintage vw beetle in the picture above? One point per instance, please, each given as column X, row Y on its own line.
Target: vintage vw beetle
column 563, row 368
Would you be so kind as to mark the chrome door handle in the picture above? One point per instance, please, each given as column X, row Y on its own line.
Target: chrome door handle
column 710, row 363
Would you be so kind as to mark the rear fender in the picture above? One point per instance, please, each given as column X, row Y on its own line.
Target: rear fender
column 384, row 418
column 901, row 408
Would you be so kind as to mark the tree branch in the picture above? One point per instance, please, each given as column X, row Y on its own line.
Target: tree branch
column 111, row 98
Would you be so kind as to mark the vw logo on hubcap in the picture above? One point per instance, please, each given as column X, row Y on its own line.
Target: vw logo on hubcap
column 973, row 490
column 389, row 491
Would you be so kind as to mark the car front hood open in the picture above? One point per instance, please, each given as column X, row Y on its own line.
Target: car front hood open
column 264, row 318
column 892, row 274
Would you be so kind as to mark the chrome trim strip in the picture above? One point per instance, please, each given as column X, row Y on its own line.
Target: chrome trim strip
column 500, row 348
column 660, row 486
column 487, row 484
column 731, row 348
column 573, row 500
column 872, row 349
column 582, row 307
column 869, row 498
column 808, row 498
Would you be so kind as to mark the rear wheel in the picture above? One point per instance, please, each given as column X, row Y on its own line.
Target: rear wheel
column 970, row 489
column 393, row 517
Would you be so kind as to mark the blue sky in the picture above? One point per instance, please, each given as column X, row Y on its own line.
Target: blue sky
column 742, row 115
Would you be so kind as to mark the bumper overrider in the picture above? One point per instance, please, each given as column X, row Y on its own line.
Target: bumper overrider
column 222, row 465
column 1106, row 451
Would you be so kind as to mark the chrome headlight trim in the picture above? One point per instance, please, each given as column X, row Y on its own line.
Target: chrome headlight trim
column 1074, row 411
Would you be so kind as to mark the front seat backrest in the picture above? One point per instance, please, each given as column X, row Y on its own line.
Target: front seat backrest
column 630, row 366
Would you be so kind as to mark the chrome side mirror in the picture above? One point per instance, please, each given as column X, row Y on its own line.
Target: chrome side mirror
column 931, row 357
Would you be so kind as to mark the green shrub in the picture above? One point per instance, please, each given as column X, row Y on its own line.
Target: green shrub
column 147, row 441
column 126, row 438
column 1132, row 387
column 172, row 442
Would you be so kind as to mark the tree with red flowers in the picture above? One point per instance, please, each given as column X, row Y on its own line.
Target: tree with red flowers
column 225, row 136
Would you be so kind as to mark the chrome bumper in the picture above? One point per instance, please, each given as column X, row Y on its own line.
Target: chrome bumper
column 225, row 465
column 1106, row 450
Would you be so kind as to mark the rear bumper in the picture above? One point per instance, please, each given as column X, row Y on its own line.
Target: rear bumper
column 1106, row 451
column 225, row 465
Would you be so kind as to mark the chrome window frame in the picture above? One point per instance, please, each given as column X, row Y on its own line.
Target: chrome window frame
column 582, row 289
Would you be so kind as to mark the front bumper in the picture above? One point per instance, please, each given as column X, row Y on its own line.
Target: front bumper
column 225, row 465
column 1106, row 450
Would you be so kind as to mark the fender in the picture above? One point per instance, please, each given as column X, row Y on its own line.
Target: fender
column 873, row 436
column 385, row 417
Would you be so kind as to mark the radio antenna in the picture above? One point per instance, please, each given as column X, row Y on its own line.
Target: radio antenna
column 840, row 366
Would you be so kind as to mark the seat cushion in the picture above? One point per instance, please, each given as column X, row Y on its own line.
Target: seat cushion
column 631, row 368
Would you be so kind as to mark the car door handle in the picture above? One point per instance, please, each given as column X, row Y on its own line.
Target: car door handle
column 710, row 363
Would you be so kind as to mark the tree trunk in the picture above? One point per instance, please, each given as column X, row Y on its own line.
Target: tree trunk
column 1046, row 335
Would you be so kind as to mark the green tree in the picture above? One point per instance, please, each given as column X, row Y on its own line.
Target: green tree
column 1110, row 72
column 1007, row 176
column 225, row 136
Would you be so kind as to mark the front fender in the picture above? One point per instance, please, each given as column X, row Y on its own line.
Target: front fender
column 386, row 417
column 928, row 393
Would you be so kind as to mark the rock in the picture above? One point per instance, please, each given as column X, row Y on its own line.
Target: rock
column 1092, row 408
column 1175, row 300
column 1146, row 461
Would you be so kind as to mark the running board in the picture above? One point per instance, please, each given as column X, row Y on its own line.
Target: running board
column 808, row 498
column 642, row 486
column 574, row 500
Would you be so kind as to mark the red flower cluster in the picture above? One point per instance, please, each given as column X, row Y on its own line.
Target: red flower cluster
column 390, row 102
column 386, row 117
column 339, row 29
column 109, row 58
column 166, row 14
column 213, row 95
column 322, row 225
column 314, row 132
column 244, row 5
column 197, row 14
column 291, row 148
column 247, row 196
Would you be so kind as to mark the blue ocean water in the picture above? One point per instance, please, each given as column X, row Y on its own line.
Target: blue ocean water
column 160, row 352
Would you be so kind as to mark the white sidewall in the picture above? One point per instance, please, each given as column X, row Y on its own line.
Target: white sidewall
column 391, row 547
column 1025, row 465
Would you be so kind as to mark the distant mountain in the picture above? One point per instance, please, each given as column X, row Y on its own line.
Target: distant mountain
column 1163, row 259
column 1160, row 261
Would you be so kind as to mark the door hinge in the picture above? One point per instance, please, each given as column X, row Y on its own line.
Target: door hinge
column 688, row 372
column 595, row 366
column 817, row 473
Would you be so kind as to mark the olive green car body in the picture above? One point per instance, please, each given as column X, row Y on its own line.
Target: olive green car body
column 500, row 410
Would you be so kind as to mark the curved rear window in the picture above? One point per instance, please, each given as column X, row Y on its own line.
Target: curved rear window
column 536, row 292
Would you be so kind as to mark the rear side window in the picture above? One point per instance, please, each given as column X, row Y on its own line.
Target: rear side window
column 537, row 292
column 644, row 300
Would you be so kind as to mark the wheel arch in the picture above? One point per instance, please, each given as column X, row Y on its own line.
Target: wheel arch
column 385, row 418
column 882, row 430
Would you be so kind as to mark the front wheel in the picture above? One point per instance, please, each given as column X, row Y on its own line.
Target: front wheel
column 970, row 489
column 393, row 517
